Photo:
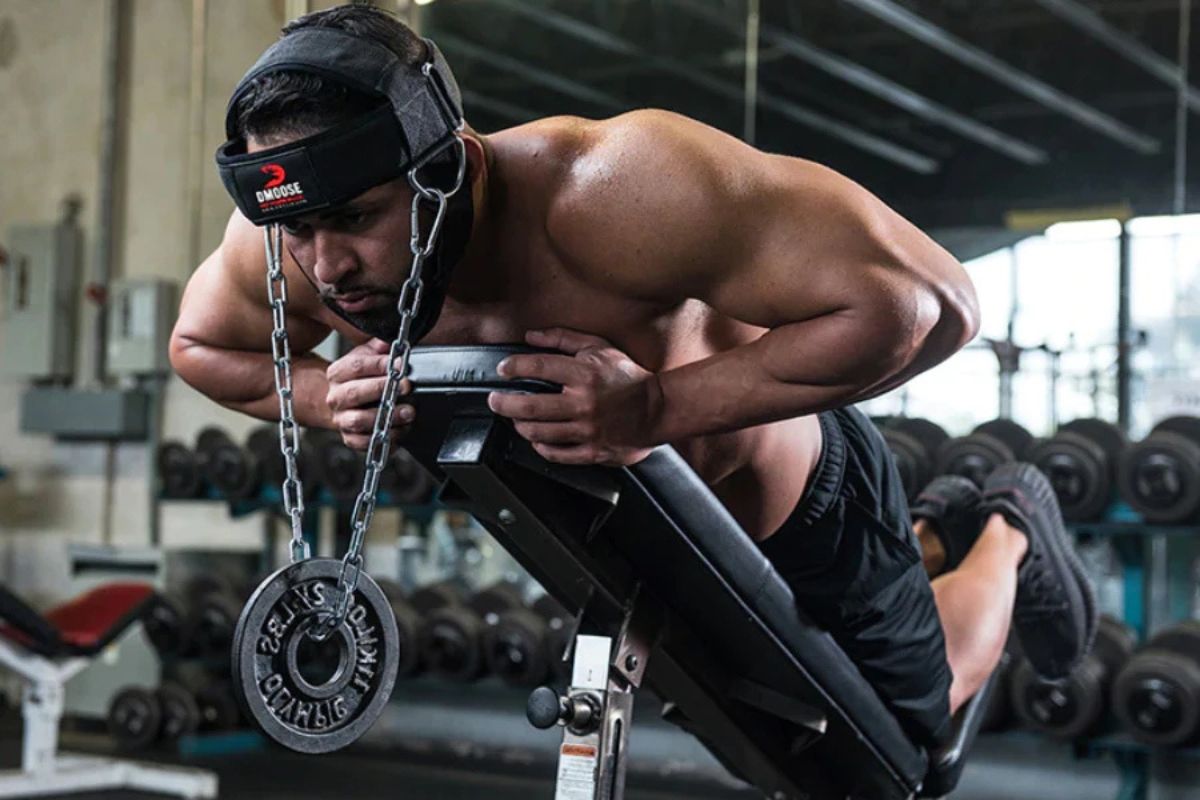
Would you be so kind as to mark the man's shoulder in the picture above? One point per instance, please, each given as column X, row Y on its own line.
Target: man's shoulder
column 242, row 261
column 567, row 144
column 643, row 182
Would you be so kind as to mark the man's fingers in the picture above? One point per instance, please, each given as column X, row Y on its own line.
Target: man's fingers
column 539, row 407
column 362, row 420
column 546, row 367
column 356, row 394
column 357, row 427
column 565, row 339
column 355, row 421
column 355, row 441
column 566, row 454
column 557, row 433
column 356, row 365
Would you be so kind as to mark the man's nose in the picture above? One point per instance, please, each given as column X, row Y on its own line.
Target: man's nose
column 333, row 259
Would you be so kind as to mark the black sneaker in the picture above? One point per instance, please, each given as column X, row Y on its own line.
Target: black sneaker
column 953, row 506
column 1055, row 613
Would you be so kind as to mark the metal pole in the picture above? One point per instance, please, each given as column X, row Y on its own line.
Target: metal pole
column 1007, row 351
column 751, row 108
column 1124, row 344
column 197, row 158
column 1014, row 306
column 1181, row 107
column 1055, row 372
column 106, row 191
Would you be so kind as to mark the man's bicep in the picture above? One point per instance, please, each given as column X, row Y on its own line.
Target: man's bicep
column 221, row 345
column 216, row 312
column 225, row 303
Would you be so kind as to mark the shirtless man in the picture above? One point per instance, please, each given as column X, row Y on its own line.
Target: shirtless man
column 703, row 294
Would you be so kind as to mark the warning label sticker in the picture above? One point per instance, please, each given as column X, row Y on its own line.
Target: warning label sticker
column 576, row 772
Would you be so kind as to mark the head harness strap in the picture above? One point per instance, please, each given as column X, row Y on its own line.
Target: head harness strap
column 426, row 102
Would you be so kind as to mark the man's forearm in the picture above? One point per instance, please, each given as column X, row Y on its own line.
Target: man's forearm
column 793, row 370
column 244, row 381
column 309, row 388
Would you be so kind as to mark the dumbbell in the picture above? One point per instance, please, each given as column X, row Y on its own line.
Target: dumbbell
column 558, row 640
column 1157, row 695
column 213, row 611
column 180, row 713
column 218, row 707
column 1160, row 475
column 408, row 624
column 405, row 480
column 452, row 637
column 914, row 443
column 427, row 600
column 231, row 469
column 164, row 624
column 433, row 596
column 134, row 718
column 263, row 443
column 1073, row 707
column 991, row 444
column 525, row 642
column 179, row 472
column 338, row 468
column 1081, row 462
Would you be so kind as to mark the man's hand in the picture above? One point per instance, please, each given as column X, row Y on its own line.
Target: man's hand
column 607, row 412
column 356, row 382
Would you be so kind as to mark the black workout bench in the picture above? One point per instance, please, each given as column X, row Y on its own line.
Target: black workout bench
column 680, row 599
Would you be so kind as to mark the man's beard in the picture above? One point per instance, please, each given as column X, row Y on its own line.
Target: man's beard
column 382, row 322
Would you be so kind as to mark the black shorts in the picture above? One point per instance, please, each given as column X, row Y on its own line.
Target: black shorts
column 849, row 553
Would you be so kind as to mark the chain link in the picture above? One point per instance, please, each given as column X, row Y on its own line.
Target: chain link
column 281, row 357
column 377, row 447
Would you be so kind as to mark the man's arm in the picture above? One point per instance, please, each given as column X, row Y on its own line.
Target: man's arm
column 854, row 299
column 221, row 341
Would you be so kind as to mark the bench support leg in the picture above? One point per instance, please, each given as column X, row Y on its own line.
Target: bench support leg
column 597, row 712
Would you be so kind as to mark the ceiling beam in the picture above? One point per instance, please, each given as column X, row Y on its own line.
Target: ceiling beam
column 884, row 88
column 849, row 134
column 500, row 108
column 1091, row 23
column 1019, row 81
column 535, row 75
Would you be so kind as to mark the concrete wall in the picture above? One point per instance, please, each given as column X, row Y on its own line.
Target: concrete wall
column 51, row 94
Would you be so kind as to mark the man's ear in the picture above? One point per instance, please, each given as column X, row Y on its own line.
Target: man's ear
column 476, row 158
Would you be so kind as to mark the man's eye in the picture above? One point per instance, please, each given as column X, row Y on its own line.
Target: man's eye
column 352, row 218
column 294, row 228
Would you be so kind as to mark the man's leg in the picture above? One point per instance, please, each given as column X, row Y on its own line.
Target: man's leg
column 975, row 602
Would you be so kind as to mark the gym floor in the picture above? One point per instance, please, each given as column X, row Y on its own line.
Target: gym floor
column 418, row 750
column 276, row 774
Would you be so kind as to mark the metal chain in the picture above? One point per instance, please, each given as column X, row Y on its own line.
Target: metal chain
column 378, row 445
column 281, row 356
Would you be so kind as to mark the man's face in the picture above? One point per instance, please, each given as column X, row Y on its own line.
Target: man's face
column 357, row 255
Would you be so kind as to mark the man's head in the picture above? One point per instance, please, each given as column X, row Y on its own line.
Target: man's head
column 322, row 133
column 287, row 105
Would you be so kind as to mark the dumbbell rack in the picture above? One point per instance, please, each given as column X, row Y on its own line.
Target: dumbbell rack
column 1156, row 565
column 270, row 498
column 1158, row 589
